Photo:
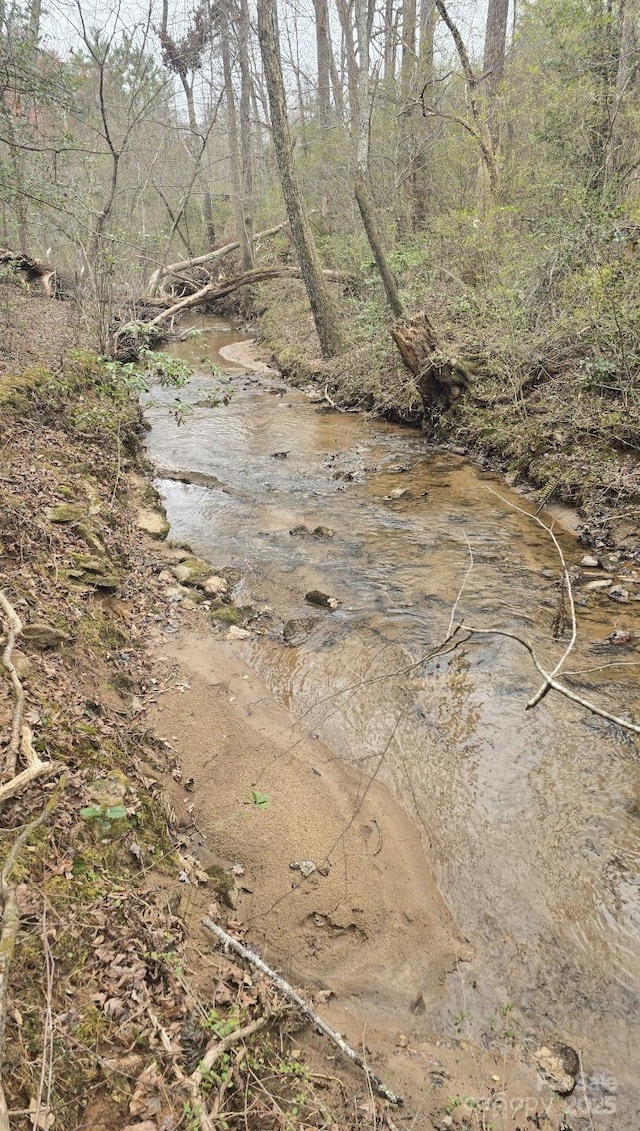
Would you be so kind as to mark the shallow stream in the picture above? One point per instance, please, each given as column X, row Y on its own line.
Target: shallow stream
column 530, row 819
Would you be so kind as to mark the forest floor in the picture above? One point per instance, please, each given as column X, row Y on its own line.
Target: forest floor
column 131, row 833
column 547, row 414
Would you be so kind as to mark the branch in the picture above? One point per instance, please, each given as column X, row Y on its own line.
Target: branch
column 14, row 631
column 21, row 740
column 220, row 290
column 209, row 257
column 550, row 681
column 540, row 694
column 304, row 1007
column 11, row 925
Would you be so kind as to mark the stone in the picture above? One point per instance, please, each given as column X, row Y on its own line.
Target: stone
column 215, row 586
column 589, row 561
column 105, row 581
column 315, row 396
column 166, row 577
column 601, row 583
column 192, row 571
column 322, row 532
column 44, row 635
column 316, row 597
column 300, row 531
column 553, row 1068
column 152, row 522
column 619, row 593
column 398, row 493
column 21, row 662
column 66, row 512
column 236, row 633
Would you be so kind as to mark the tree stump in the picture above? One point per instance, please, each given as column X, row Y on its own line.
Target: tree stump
column 440, row 377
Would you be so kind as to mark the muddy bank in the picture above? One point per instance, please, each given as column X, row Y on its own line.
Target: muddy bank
column 546, row 424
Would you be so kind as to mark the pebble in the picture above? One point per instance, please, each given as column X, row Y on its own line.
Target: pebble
column 619, row 593
column 590, row 562
column 601, row 583
column 215, row 586
column 236, row 633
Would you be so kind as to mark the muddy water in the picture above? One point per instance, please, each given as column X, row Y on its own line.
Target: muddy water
column 530, row 819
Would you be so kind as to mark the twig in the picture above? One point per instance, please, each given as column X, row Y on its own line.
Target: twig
column 542, row 691
column 14, row 631
column 549, row 679
column 11, row 924
column 304, row 1007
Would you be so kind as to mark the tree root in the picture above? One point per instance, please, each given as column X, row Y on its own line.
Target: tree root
column 21, row 740
column 377, row 1084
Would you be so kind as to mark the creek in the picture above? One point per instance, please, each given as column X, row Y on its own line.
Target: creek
column 530, row 819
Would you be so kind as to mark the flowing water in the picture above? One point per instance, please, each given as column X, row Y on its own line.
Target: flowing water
column 530, row 818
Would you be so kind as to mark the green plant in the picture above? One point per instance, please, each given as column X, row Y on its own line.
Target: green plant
column 259, row 800
column 103, row 817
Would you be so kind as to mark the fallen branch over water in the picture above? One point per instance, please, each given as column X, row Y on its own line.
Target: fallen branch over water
column 289, row 992
column 210, row 257
column 221, row 289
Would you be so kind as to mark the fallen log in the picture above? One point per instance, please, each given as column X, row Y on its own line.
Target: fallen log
column 32, row 270
column 210, row 257
column 441, row 377
column 227, row 286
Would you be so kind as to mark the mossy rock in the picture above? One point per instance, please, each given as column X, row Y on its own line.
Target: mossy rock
column 224, row 884
column 192, row 571
column 229, row 614
column 66, row 512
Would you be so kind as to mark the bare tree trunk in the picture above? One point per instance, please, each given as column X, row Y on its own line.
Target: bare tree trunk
column 408, row 45
column 426, row 132
column 495, row 45
column 389, row 41
column 322, row 306
column 361, row 187
column 35, row 14
column 479, row 129
column 323, row 65
column 246, row 152
column 629, row 45
column 207, row 203
column 344, row 15
column 234, row 146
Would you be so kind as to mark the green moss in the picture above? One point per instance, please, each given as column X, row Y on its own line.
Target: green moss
column 229, row 614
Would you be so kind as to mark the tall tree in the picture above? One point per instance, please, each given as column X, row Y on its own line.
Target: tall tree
column 495, row 45
column 322, row 306
column 237, row 180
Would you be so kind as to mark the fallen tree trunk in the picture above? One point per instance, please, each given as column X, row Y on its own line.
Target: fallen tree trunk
column 210, row 257
column 33, row 270
column 440, row 377
column 220, row 290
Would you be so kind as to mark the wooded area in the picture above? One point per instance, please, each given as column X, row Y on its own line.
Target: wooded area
column 493, row 154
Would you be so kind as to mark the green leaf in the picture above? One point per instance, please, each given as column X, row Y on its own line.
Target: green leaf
column 260, row 800
column 91, row 811
column 116, row 812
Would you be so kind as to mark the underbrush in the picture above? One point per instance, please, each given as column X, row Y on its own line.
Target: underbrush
column 544, row 310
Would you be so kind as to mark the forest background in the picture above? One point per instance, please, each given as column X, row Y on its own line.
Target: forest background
column 480, row 163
